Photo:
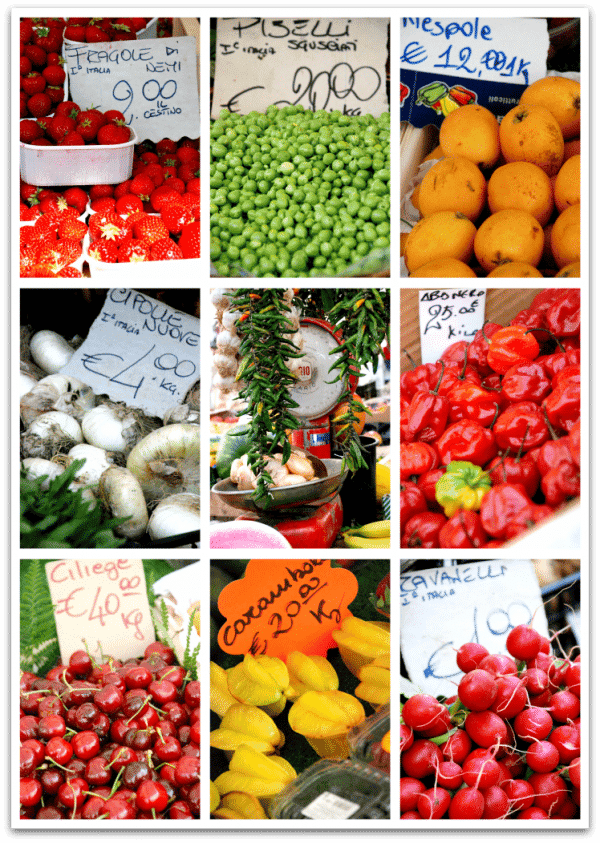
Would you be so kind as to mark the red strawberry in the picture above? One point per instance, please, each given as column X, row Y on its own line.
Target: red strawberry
column 113, row 133
column 128, row 204
column 165, row 249
column 39, row 105
column 104, row 250
column 177, row 184
column 155, row 173
column 25, row 31
column 29, row 192
column 191, row 142
column 189, row 242
column 134, row 251
column 69, row 272
column 122, row 189
column 166, row 146
column 24, row 67
column 75, row 32
column 88, row 123
column 76, row 198
column 97, row 191
column 60, row 254
column 149, row 157
column 72, row 139
column 188, row 155
column 54, row 60
column 72, row 229
column 95, row 34
column 113, row 115
column 28, row 214
column 29, row 130
column 56, row 94
column 23, row 110
column 36, row 55
column 175, row 217
column 114, row 230
column 41, row 141
column 142, row 186
column 163, row 195
column 48, row 38
column 139, row 23
column 33, row 83
column 104, row 205
column 187, row 172
column 60, row 127
column 49, row 203
column 68, row 108
column 25, row 234
column 150, row 229
column 54, row 75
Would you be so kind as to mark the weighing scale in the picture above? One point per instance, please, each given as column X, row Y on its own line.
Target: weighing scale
column 309, row 515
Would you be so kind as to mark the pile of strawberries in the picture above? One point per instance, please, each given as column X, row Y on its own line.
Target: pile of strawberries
column 73, row 126
column 40, row 66
column 154, row 215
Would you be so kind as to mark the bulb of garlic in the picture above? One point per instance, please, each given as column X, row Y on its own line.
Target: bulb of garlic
column 50, row 433
column 175, row 515
column 122, row 494
column 167, row 461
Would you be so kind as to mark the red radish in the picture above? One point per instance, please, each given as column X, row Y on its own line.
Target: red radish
column 410, row 790
column 542, row 756
column 523, row 642
column 481, row 772
column 511, row 697
column 433, row 803
column 533, row 724
column 467, row 804
column 421, row 759
column 486, row 729
column 497, row 804
column 520, row 794
column 477, row 690
column 421, row 711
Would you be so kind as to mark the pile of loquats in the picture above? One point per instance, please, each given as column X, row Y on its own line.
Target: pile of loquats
column 502, row 199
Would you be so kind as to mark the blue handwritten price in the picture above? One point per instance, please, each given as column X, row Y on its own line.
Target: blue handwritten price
column 104, row 363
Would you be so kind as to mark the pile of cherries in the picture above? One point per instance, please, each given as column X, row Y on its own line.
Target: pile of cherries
column 111, row 741
column 507, row 746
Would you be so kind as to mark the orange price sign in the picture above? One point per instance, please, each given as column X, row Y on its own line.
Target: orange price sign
column 282, row 605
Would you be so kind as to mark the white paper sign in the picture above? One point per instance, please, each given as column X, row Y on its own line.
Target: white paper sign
column 139, row 351
column 446, row 317
column 443, row 608
column 492, row 49
column 319, row 63
column 153, row 82
column 101, row 603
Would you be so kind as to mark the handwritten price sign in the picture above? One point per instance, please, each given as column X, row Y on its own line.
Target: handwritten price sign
column 442, row 608
column 101, row 603
column 153, row 82
column 319, row 63
column 139, row 351
column 448, row 316
column 284, row 605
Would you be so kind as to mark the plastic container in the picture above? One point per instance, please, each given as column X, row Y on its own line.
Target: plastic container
column 147, row 270
column 49, row 166
column 335, row 791
column 365, row 740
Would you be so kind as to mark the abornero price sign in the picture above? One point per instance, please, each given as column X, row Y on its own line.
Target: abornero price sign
column 139, row 351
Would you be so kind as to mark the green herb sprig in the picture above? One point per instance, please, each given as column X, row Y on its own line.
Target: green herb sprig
column 58, row 517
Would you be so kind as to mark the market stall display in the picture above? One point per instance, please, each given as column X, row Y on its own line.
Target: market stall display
column 297, row 458
column 112, row 737
column 265, row 754
column 506, row 745
column 490, row 431
column 497, row 191
column 79, row 160
column 300, row 187
column 107, row 472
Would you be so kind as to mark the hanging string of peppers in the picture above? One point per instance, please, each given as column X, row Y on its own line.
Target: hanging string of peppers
column 266, row 333
column 363, row 318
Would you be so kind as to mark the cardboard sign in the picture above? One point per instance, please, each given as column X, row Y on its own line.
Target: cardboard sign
column 283, row 605
column 139, row 351
column 446, row 317
column 446, row 63
column 152, row 82
column 319, row 63
column 101, row 604
column 443, row 608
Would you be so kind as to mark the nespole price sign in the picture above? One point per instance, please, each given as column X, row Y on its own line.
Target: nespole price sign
column 319, row 63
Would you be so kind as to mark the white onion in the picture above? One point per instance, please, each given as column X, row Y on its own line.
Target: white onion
column 37, row 467
column 175, row 515
column 56, row 423
column 50, row 351
column 96, row 462
column 123, row 495
column 167, row 461
column 109, row 428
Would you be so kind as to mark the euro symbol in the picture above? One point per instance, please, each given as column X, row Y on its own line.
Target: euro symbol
column 414, row 53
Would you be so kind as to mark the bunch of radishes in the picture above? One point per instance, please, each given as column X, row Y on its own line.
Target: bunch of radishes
column 506, row 746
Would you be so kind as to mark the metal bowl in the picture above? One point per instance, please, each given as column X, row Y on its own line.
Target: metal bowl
column 288, row 496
